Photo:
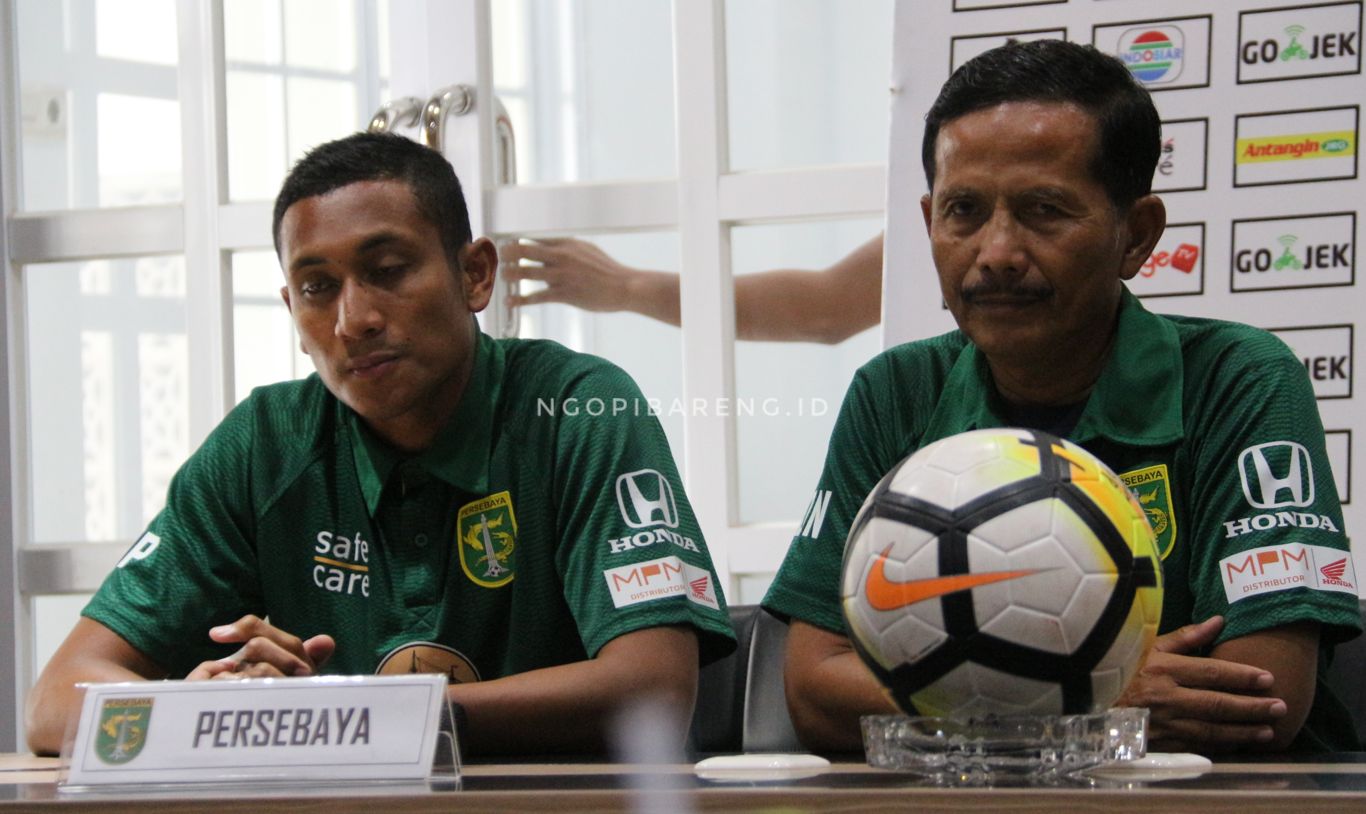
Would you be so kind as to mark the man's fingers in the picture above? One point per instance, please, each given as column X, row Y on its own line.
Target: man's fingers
column 287, row 661
column 1190, row 638
column 1208, row 673
column 212, row 669
column 1184, row 734
column 518, row 273
column 319, row 649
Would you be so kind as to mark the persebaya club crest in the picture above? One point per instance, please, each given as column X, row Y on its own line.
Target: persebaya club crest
column 487, row 530
column 1152, row 487
column 123, row 729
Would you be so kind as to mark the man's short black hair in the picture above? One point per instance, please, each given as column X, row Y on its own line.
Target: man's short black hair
column 382, row 157
column 1058, row 71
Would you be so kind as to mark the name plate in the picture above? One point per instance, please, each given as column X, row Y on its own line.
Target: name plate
column 305, row 729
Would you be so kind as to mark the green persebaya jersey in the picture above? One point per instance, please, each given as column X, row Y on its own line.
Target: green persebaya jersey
column 546, row 520
column 1212, row 424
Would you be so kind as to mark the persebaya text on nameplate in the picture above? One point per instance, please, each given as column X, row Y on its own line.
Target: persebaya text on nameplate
column 326, row 728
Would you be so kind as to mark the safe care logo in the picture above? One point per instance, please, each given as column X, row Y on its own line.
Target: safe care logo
column 1295, row 146
column 1302, row 251
column 1299, row 43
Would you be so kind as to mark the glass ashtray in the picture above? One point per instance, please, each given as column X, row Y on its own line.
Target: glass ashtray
column 980, row 750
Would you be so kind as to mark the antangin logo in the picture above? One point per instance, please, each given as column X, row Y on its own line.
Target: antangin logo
column 1304, row 251
column 646, row 498
column 1276, row 475
column 1295, row 43
column 122, row 729
column 487, row 534
column 1303, row 145
column 341, row 564
column 1162, row 54
column 1152, row 487
column 1280, row 568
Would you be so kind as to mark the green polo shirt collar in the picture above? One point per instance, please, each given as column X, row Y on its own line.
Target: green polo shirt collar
column 459, row 455
column 1136, row 401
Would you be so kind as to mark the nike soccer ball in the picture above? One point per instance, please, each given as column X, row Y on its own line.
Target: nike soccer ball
column 1002, row 571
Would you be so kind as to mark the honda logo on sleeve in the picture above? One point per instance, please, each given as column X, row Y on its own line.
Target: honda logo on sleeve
column 646, row 499
column 1276, row 475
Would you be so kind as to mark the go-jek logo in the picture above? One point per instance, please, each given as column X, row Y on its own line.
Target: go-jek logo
column 1295, row 43
column 1153, row 55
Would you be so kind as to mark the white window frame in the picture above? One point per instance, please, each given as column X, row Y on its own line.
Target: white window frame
column 434, row 43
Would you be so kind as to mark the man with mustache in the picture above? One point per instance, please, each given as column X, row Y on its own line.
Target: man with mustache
column 1039, row 158
column 503, row 511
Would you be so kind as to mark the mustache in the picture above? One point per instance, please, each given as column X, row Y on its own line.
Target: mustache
column 1011, row 292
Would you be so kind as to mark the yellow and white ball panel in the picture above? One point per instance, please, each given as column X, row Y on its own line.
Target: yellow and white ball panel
column 953, row 475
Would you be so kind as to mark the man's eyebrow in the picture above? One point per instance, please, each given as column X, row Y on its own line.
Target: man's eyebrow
column 377, row 240
column 371, row 243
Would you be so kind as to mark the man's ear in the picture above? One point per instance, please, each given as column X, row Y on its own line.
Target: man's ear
column 478, row 270
column 1146, row 221
column 925, row 203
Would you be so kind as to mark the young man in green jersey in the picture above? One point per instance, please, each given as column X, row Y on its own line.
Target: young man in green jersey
column 432, row 500
column 1039, row 158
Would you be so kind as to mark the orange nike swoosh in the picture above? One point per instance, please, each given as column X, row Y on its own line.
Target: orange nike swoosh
column 885, row 595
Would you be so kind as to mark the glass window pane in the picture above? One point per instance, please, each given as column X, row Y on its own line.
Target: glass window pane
column 256, row 154
column 595, row 80
column 98, row 99
column 806, row 82
column 299, row 73
column 265, row 346
column 319, row 110
column 788, row 394
column 109, row 393
column 651, row 351
column 136, row 30
column 253, row 31
column 320, row 34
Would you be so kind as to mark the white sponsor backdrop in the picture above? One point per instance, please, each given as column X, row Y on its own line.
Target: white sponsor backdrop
column 1261, row 105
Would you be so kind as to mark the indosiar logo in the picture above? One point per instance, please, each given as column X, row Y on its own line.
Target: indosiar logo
column 1301, row 42
column 1154, row 55
column 1163, row 54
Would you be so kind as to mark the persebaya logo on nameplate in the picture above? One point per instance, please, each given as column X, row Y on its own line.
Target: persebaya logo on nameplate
column 305, row 729
column 122, row 729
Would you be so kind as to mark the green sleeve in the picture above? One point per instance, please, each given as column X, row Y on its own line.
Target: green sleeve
column 631, row 554
column 195, row 566
column 1252, row 528
column 862, row 449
